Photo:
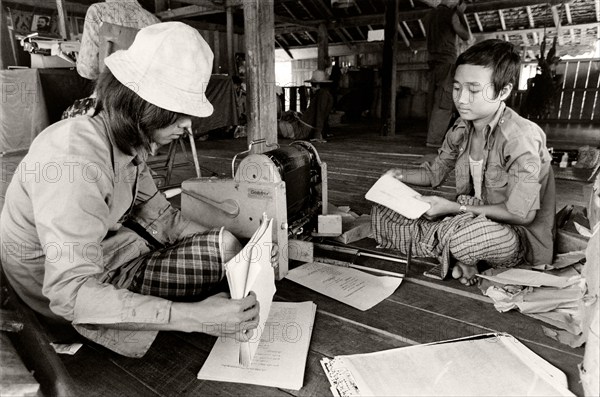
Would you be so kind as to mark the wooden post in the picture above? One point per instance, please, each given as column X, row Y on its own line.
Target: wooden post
column 62, row 19
column 388, row 77
column 231, row 69
column 323, row 48
column 259, row 31
column 160, row 5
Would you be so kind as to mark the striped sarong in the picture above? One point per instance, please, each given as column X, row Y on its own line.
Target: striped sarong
column 464, row 237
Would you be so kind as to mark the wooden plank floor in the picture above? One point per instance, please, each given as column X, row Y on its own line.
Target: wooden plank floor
column 421, row 310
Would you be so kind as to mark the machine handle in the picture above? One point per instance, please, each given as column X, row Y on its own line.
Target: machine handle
column 228, row 206
column 252, row 143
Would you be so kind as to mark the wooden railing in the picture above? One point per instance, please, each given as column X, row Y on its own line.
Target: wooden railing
column 577, row 100
column 296, row 98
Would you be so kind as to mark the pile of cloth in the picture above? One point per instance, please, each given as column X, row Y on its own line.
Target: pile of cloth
column 554, row 294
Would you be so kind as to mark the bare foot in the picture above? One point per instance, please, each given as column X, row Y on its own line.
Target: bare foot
column 465, row 273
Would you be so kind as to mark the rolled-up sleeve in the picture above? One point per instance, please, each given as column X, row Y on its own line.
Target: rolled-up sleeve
column 523, row 166
column 71, row 215
column 154, row 213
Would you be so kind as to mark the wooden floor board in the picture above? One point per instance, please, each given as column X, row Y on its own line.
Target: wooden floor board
column 422, row 310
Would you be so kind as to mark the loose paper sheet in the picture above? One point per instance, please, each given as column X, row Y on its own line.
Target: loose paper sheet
column 281, row 356
column 491, row 365
column 350, row 286
column 529, row 278
column 392, row 193
column 251, row 270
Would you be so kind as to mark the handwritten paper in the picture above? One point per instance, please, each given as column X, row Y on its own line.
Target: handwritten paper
column 390, row 192
column 350, row 286
column 280, row 359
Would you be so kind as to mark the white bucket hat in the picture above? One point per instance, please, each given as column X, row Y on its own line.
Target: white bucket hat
column 169, row 65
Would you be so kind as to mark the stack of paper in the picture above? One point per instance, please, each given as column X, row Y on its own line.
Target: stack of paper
column 390, row 192
column 554, row 299
column 281, row 355
column 251, row 270
column 484, row 365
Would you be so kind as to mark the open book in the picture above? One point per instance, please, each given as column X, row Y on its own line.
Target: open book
column 390, row 192
column 251, row 270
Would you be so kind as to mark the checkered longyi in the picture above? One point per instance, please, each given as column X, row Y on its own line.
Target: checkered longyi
column 190, row 268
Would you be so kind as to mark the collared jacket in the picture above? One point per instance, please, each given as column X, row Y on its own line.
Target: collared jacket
column 64, row 249
column 516, row 172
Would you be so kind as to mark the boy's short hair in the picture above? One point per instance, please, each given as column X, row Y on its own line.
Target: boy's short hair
column 499, row 55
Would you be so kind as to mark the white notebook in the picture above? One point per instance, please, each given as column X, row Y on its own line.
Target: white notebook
column 392, row 193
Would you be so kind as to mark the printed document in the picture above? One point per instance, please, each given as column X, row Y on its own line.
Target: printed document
column 390, row 192
column 350, row 286
column 482, row 365
column 251, row 270
column 280, row 359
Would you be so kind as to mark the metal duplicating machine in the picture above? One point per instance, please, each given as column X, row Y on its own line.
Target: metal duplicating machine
column 287, row 183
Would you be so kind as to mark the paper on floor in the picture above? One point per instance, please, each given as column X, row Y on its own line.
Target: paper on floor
column 280, row 359
column 350, row 286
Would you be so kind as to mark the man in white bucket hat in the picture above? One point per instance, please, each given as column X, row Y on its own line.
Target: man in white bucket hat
column 86, row 235
column 313, row 121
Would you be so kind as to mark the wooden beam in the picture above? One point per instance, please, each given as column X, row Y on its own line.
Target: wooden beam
column 231, row 66
column 69, row 7
column 186, row 12
column 411, row 15
column 323, row 48
column 285, row 48
column 216, row 27
column 207, row 4
column 568, row 13
column 388, row 76
column 557, row 23
column 502, row 22
column 530, row 17
column 405, row 26
column 259, row 23
column 478, row 21
column 62, row 19
column 597, row 7
column 161, row 5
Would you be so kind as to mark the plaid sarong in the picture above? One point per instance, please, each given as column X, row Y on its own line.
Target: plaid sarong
column 189, row 269
column 466, row 237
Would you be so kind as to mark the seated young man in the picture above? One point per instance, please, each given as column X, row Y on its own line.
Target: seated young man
column 504, row 213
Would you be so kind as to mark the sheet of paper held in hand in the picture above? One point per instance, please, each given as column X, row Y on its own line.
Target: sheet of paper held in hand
column 251, row 270
column 350, row 286
column 485, row 365
column 281, row 356
column 390, row 192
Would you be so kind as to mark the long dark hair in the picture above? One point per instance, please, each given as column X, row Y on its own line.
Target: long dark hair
column 131, row 119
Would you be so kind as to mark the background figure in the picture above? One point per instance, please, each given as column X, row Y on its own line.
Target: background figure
column 313, row 122
column 445, row 25
column 128, row 13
